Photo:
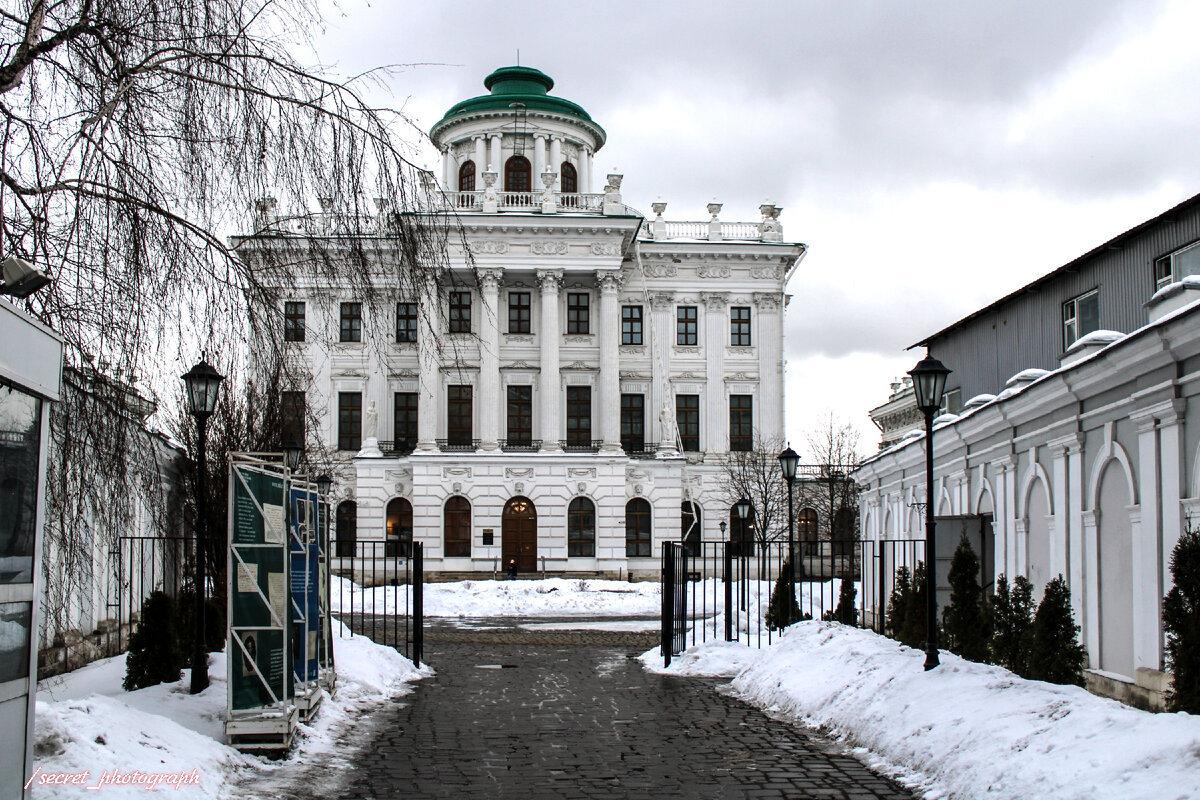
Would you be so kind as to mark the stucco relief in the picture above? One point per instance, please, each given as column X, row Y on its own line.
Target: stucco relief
column 605, row 249
column 714, row 271
column 548, row 248
column 661, row 270
column 715, row 300
column 765, row 273
column 455, row 472
column 492, row 247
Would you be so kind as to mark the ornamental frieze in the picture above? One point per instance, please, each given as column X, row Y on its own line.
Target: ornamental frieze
column 548, row 248
column 765, row 273
column 605, row 249
column 661, row 271
column 493, row 247
column 714, row 271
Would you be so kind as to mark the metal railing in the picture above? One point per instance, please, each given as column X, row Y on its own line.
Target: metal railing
column 399, row 447
column 520, row 445
column 382, row 596
column 640, row 449
column 139, row 566
column 581, row 445
column 457, row 445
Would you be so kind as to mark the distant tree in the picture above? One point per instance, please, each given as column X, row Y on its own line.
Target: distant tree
column 755, row 475
column 155, row 655
column 833, row 453
column 1011, row 613
column 1181, row 621
column 1056, row 655
column 964, row 620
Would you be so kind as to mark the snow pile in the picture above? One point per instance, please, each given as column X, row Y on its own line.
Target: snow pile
column 964, row 730
column 87, row 723
column 554, row 597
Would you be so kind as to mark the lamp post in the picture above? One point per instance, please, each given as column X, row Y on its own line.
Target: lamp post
column 742, row 509
column 324, row 483
column 788, row 461
column 202, row 383
column 929, row 383
column 293, row 453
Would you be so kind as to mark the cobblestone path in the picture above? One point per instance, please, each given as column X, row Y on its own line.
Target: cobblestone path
column 527, row 714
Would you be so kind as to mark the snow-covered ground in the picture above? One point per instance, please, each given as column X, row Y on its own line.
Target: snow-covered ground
column 962, row 731
column 86, row 723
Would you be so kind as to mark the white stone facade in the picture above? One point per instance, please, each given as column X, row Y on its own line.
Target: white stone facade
column 554, row 252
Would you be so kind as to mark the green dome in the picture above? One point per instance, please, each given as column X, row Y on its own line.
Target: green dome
column 509, row 85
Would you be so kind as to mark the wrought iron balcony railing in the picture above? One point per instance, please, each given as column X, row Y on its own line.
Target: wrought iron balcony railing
column 520, row 445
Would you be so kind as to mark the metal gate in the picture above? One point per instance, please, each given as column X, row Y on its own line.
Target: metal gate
column 380, row 594
column 139, row 565
column 674, row 600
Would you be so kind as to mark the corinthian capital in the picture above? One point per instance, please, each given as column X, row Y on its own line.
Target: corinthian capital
column 550, row 279
column 489, row 279
column 715, row 300
column 609, row 280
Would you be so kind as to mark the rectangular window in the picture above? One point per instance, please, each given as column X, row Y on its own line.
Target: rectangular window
column 293, row 321
column 351, row 327
column 1081, row 316
column 291, row 423
column 460, row 312
column 633, row 422
column 349, row 421
column 577, row 313
column 406, row 322
column 518, row 312
column 952, row 401
column 579, row 415
column 741, row 423
column 631, row 324
column 520, row 416
column 20, row 453
column 739, row 326
column 686, row 326
column 459, row 416
column 404, row 429
column 16, row 620
column 1177, row 266
column 687, row 418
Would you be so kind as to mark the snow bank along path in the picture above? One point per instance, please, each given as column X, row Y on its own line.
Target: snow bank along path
column 963, row 730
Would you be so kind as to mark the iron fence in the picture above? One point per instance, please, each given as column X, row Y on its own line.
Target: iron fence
column 379, row 593
column 138, row 566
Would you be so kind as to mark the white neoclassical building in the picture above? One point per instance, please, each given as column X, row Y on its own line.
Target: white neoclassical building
column 587, row 372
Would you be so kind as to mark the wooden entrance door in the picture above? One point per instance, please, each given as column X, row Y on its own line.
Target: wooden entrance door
column 518, row 536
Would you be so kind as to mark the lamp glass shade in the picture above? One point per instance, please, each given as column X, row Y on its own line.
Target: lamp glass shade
column 324, row 484
column 788, row 461
column 202, row 383
column 929, row 383
column 742, row 508
column 293, row 451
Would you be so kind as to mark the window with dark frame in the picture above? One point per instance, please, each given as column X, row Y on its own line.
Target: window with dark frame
column 578, row 313
column 1081, row 316
column 741, row 423
column 404, row 429
column 293, row 321
column 686, row 326
column 579, row 415
column 349, row 420
column 637, row 528
column 633, row 422
column 351, row 323
column 631, row 325
column 518, row 175
column 569, row 178
column 459, row 416
column 466, row 177
column 406, row 322
column 291, row 422
column 347, row 529
column 520, row 415
column 739, row 326
column 687, row 418
column 690, row 527
column 457, row 523
column 518, row 312
column 399, row 528
column 460, row 312
column 581, row 528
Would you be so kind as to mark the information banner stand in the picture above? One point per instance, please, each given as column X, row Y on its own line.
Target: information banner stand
column 326, row 676
column 305, row 557
column 261, row 712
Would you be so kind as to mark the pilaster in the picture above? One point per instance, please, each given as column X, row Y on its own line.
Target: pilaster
column 715, row 414
column 609, row 331
column 769, row 415
column 492, row 404
column 549, row 400
column 430, row 379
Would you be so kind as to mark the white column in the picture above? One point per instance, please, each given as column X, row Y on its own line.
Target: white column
column 1075, row 547
column 480, row 163
column 1147, row 583
column 586, row 183
column 556, row 161
column 494, row 156
column 715, row 419
column 768, row 417
column 539, row 154
column 549, row 390
column 609, row 331
column 447, row 169
column 430, row 379
column 490, row 406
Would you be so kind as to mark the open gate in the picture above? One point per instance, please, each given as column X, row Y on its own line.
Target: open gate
column 674, row 599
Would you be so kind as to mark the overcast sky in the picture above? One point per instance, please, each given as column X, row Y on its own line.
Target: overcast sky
column 933, row 155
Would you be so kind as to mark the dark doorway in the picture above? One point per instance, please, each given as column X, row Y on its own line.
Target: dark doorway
column 519, row 534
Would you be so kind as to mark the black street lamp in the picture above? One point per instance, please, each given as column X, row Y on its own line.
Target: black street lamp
column 202, row 383
column 788, row 461
column 742, row 509
column 929, row 383
column 293, row 453
column 324, row 484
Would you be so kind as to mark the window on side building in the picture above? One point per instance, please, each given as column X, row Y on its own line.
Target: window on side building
column 406, row 322
column 581, row 528
column 1177, row 265
column 350, row 329
column 577, row 313
column 466, row 177
column 349, row 420
column 518, row 312
column 631, row 325
column 686, row 326
column 291, row 409
column 637, row 528
column 687, row 418
column 459, row 416
column 457, row 524
column 1081, row 316
column 569, row 178
column 404, row 430
column 741, row 423
column 579, row 416
column 520, row 416
column 293, row 321
column 460, row 312
column 633, row 422
column 739, row 326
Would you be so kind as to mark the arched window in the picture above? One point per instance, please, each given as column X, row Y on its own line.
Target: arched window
column 637, row 528
column 581, row 528
column 741, row 533
column 347, row 529
column 399, row 528
column 806, row 524
column 466, row 177
column 689, row 527
column 569, row 178
column 457, row 523
column 518, row 175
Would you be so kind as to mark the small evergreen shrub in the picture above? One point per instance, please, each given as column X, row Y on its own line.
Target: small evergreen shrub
column 155, row 655
column 897, row 608
column 907, row 609
column 964, row 619
column 1011, row 614
column 1181, row 622
column 1056, row 655
column 783, row 609
column 847, row 605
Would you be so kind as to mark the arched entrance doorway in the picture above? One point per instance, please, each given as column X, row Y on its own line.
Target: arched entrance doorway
column 518, row 534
